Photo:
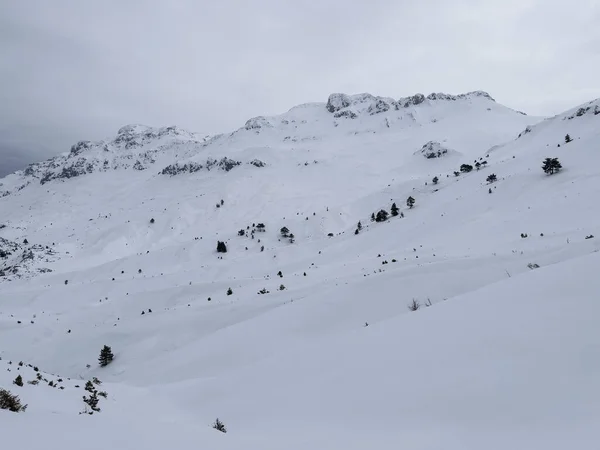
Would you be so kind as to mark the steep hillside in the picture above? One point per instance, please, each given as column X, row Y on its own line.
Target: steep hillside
column 315, row 344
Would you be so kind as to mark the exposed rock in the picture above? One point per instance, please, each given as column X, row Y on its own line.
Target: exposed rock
column 177, row 168
column 347, row 113
column 257, row 163
column 335, row 102
column 256, row 123
column 433, row 149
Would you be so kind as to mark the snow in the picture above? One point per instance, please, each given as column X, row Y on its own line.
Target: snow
column 506, row 356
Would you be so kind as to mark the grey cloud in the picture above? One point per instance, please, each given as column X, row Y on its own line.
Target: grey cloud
column 73, row 70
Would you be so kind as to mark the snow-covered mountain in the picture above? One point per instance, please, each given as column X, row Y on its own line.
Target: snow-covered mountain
column 301, row 333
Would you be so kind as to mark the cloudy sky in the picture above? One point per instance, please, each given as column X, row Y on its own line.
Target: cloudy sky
column 79, row 69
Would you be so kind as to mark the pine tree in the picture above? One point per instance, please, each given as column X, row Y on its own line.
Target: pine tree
column 221, row 247
column 491, row 178
column 359, row 226
column 10, row 402
column 18, row 381
column 394, row 210
column 435, row 180
column 92, row 401
column 551, row 165
column 229, row 291
column 382, row 216
column 466, row 168
column 372, row 217
column 410, row 202
column 568, row 139
column 284, row 231
column 106, row 356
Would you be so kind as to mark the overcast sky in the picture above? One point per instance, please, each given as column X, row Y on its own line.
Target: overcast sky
column 80, row 69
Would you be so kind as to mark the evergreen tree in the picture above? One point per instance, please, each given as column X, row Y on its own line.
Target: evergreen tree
column 394, row 209
column 466, row 168
column 435, row 180
column 568, row 139
column 456, row 173
column 292, row 237
column 106, row 356
column 284, row 231
column 229, row 291
column 491, row 178
column 410, row 202
column 372, row 217
column 221, row 247
column 551, row 165
column 10, row 402
column 92, row 401
column 356, row 231
column 359, row 226
column 382, row 216
column 18, row 381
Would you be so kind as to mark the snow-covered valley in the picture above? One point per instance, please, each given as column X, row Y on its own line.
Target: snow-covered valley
column 315, row 345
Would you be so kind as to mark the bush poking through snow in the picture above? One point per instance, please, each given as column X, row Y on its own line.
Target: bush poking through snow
column 218, row 425
column 414, row 305
column 106, row 356
column 492, row 178
column 10, row 402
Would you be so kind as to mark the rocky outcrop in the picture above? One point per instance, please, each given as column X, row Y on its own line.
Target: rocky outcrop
column 335, row 102
column 433, row 149
column 225, row 164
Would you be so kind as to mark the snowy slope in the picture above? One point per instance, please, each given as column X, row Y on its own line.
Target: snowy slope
column 503, row 357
